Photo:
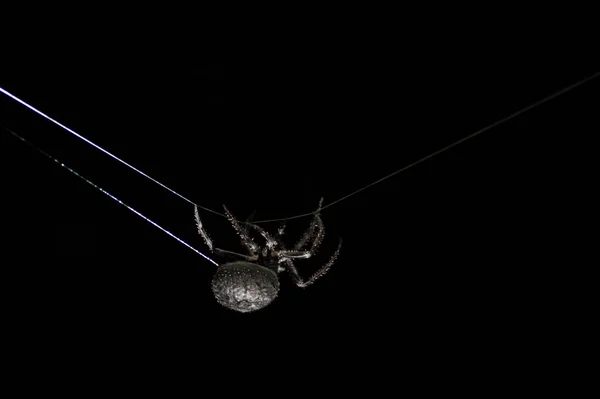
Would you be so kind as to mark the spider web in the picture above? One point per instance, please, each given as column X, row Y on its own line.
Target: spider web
column 326, row 206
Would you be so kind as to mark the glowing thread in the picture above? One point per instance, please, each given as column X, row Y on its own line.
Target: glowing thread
column 477, row 133
column 114, row 198
column 472, row 135
column 101, row 149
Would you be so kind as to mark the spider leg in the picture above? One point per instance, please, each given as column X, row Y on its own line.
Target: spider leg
column 271, row 242
column 316, row 230
column 294, row 254
column 201, row 230
column 247, row 241
column 319, row 236
column 320, row 273
column 315, row 225
column 235, row 255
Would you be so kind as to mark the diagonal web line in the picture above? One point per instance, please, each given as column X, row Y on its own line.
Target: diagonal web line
column 101, row 149
column 454, row 144
column 113, row 197
column 468, row 137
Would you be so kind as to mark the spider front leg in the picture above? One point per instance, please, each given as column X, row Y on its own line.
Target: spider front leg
column 320, row 273
column 209, row 242
column 247, row 241
column 270, row 241
column 234, row 255
column 316, row 230
column 201, row 230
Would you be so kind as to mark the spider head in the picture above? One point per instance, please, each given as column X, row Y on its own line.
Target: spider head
column 244, row 286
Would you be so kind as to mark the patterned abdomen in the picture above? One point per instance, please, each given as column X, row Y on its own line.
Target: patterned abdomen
column 244, row 286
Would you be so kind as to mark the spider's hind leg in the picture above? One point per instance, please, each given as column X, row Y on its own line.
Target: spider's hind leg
column 320, row 273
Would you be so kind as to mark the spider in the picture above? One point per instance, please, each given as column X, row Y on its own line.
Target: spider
column 250, row 282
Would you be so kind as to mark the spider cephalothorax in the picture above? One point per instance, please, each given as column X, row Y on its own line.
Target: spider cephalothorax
column 251, row 282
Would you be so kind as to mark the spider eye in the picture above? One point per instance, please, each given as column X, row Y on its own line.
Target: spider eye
column 244, row 286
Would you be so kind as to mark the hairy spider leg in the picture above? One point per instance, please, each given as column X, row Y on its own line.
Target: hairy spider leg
column 209, row 242
column 315, row 225
column 201, row 230
column 320, row 273
column 247, row 241
column 234, row 255
column 271, row 242
column 297, row 253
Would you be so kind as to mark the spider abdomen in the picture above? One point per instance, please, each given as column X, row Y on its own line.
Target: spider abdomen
column 244, row 286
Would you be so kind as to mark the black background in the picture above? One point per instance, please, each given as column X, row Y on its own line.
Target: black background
column 447, row 258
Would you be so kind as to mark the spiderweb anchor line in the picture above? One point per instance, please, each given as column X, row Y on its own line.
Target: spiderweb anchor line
column 477, row 133
column 112, row 196
column 472, row 135
column 74, row 133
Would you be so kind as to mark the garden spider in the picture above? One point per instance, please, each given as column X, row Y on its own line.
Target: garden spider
column 251, row 282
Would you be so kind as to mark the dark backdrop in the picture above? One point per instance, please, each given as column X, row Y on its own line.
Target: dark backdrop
column 451, row 254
